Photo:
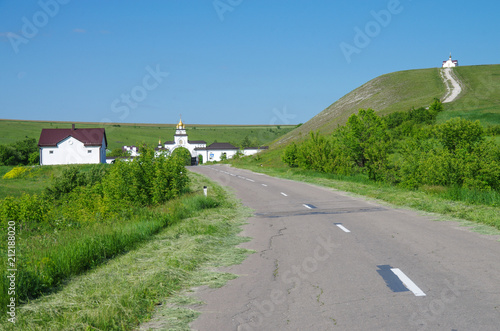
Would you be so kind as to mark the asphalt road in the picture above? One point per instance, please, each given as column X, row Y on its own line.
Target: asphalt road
column 328, row 261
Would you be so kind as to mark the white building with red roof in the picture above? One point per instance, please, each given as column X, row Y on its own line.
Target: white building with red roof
column 72, row 146
column 450, row 63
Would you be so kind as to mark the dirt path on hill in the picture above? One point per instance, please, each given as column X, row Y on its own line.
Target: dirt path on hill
column 453, row 88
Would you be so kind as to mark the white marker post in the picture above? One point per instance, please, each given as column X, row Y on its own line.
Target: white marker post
column 205, row 190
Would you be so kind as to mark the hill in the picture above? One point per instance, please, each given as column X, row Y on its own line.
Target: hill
column 480, row 99
column 400, row 91
column 120, row 134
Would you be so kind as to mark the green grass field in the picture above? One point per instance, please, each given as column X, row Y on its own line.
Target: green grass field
column 134, row 134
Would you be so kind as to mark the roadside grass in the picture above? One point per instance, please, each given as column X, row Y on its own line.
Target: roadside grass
column 46, row 259
column 476, row 206
column 127, row 290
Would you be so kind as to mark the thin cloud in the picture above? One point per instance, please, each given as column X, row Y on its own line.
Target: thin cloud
column 77, row 30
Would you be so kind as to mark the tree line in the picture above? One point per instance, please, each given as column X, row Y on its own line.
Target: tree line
column 22, row 152
column 404, row 148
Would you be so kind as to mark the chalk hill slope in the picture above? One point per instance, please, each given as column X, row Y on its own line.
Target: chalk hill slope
column 400, row 91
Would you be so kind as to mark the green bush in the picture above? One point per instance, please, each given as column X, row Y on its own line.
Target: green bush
column 493, row 130
column 184, row 154
column 146, row 180
column 23, row 152
column 72, row 177
column 404, row 149
column 28, row 211
column 289, row 155
column 459, row 133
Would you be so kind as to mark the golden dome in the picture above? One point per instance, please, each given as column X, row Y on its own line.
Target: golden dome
column 180, row 125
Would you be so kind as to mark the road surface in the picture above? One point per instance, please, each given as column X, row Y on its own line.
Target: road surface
column 328, row 261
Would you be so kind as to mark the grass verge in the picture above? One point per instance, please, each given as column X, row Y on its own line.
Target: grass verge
column 448, row 202
column 124, row 292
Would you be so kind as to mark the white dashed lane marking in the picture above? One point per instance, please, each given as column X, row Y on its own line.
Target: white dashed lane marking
column 408, row 283
column 342, row 227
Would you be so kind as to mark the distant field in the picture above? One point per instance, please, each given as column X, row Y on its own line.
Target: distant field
column 133, row 134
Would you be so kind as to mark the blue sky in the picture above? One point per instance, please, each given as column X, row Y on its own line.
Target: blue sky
column 221, row 61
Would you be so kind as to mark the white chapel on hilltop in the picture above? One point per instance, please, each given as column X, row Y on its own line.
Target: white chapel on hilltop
column 450, row 63
column 199, row 150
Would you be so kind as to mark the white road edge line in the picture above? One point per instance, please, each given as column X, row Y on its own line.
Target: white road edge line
column 308, row 207
column 342, row 227
column 264, row 185
column 250, row 180
column 284, row 194
column 408, row 283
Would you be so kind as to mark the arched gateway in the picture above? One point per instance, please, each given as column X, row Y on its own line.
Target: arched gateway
column 197, row 148
column 181, row 140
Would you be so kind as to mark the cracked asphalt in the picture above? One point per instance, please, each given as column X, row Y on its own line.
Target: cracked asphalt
column 310, row 274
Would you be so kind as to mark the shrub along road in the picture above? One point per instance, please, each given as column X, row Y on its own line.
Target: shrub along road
column 326, row 260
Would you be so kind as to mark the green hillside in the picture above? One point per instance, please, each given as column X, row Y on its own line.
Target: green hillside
column 400, row 91
column 481, row 98
column 131, row 134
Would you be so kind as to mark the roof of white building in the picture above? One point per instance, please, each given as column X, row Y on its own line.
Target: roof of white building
column 221, row 146
column 89, row 137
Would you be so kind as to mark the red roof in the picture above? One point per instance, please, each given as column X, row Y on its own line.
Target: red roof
column 89, row 137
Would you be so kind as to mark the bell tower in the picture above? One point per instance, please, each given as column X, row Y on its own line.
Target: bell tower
column 180, row 128
column 180, row 136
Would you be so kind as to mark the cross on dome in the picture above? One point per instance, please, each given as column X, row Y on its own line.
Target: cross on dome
column 180, row 126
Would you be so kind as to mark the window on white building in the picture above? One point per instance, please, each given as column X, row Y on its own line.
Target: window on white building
column 51, row 152
column 89, row 151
